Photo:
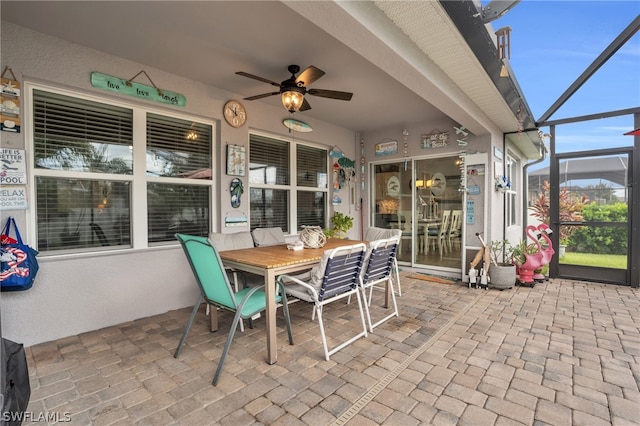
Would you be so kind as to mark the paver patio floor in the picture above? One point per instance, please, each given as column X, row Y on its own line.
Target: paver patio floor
column 561, row 353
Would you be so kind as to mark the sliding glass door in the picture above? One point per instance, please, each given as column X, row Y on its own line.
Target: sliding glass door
column 422, row 198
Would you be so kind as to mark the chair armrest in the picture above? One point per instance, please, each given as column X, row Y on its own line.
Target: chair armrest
column 288, row 279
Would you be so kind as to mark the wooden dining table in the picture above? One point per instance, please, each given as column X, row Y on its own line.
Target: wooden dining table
column 271, row 261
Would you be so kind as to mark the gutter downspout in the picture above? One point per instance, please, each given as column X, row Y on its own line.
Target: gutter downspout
column 525, row 187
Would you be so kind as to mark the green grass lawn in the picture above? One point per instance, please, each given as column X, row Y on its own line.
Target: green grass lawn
column 598, row 260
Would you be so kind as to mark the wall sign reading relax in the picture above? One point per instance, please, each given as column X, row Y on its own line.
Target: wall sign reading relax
column 137, row 90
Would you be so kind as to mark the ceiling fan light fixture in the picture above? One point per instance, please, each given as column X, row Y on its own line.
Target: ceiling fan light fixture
column 292, row 100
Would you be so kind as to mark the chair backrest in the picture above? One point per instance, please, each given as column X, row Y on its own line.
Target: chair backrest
column 379, row 260
column 444, row 223
column 268, row 236
column 456, row 221
column 237, row 240
column 208, row 270
column 342, row 270
column 374, row 233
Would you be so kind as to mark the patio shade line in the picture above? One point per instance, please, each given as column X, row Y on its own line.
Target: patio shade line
column 382, row 384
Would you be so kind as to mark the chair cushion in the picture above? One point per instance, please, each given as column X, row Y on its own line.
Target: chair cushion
column 312, row 277
column 267, row 236
column 238, row 240
column 375, row 233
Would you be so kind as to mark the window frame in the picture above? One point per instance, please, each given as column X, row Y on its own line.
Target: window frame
column 512, row 207
column 138, row 179
column 292, row 188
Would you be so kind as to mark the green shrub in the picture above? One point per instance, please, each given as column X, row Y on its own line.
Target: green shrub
column 601, row 239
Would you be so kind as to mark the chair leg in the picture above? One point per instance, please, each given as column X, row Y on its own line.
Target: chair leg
column 395, row 266
column 194, row 311
column 232, row 332
column 366, row 305
column 285, row 308
column 321, row 325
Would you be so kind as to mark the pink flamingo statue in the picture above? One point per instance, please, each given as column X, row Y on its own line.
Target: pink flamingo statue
column 532, row 261
column 547, row 251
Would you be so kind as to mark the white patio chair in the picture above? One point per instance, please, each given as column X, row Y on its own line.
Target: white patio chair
column 378, row 268
column 337, row 277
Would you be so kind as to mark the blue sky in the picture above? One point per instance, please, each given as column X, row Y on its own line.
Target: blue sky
column 553, row 43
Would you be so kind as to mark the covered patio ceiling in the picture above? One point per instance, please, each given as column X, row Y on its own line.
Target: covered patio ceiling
column 405, row 62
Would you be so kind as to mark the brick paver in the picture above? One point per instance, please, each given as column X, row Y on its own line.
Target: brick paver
column 560, row 353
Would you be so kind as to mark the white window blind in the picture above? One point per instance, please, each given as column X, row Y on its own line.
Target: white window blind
column 81, row 135
column 178, row 148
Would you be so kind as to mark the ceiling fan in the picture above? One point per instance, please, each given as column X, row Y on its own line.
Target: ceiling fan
column 294, row 88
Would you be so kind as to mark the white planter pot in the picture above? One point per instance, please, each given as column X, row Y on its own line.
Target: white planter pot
column 502, row 276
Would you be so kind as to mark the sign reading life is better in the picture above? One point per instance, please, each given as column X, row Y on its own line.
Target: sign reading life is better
column 13, row 198
column 130, row 88
column 12, row 166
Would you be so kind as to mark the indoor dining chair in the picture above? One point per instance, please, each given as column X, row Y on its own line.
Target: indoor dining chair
column 378, row 268
column 216, row 290
column 438, row 235
column 335, row 278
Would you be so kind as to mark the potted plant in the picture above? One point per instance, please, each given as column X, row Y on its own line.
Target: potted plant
column 527, row 258
column 570, row 208
column 341, row 223
column 501, row 274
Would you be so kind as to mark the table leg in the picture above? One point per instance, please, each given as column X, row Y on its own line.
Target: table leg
column 213, row 318
column 270, row 290
column 387, row 293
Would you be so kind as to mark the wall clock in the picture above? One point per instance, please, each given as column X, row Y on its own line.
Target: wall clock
column 234, row 113
column 438, row 184
column 393, row 186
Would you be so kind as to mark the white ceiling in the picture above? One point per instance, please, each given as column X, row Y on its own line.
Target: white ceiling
column 394, row 82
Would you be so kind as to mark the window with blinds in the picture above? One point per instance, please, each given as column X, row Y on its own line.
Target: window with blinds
column 178, row 148
column 269, row 161
column 175, row 209
column 76, row 215
column 79, row 135
column 275, row 199
column 75, row 136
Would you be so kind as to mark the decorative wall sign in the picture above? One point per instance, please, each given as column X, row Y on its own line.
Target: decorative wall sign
column 473, row 189
column 9, row 102
column 236, row 160
column 471, row 212
column 137, row 90
column 13, row 198
column 435, row 139
column 236, row 189
column 296, row 125
column 12, row 166
column 235, row 219
column 386, row 148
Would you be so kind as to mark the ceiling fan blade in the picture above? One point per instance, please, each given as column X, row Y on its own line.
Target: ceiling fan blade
column 331, row 94
column 305, row 105
column 255, row 77
column 264, row 95
column 309, row 75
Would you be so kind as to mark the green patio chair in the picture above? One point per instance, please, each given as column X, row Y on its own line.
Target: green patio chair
column 216, row 290
column 337, row 277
